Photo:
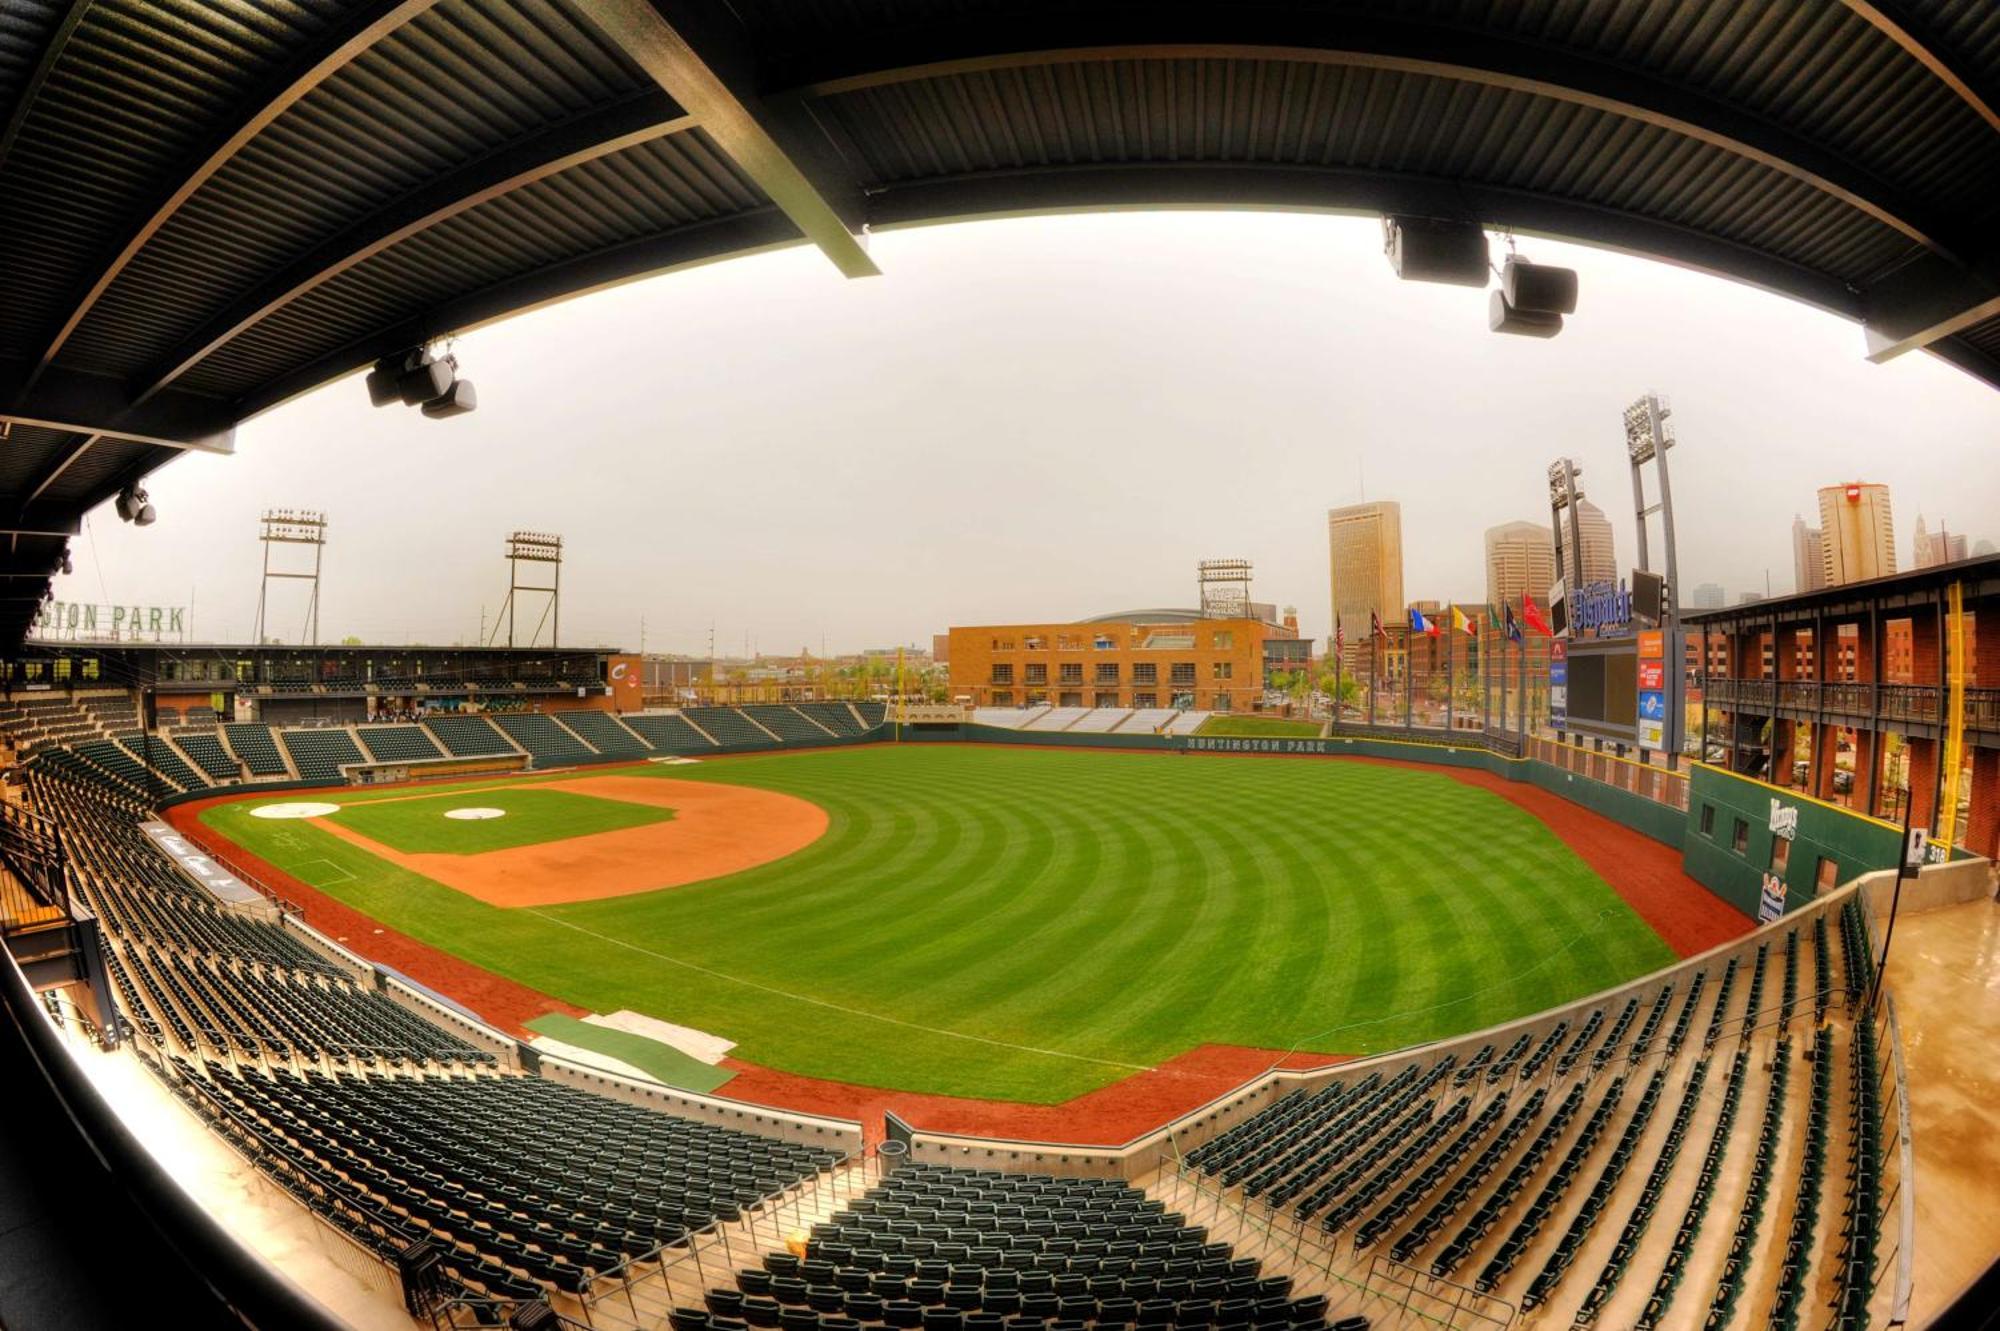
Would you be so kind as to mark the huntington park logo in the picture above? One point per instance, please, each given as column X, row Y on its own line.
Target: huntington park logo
column 75, row 620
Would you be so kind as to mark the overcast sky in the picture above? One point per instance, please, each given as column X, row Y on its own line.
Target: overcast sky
column 1041, row 419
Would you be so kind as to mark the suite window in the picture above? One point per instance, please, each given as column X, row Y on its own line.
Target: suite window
column 1038, row 673
column 1739, row 838
column 1146, row 672
column 1183, row 672
column 1003, row 674
column 1781, row 855
column 1072, row 672
column 1107, row 673
column 1708, row 821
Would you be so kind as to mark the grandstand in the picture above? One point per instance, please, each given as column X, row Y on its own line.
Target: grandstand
column 669, row 732
column 469, row 736
column 604, row 733
column 397, row 743
column 319, row 755
column 731, row 727
column 254, row 747
column 543, row 739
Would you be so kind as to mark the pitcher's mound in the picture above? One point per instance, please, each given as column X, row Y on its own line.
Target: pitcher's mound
column 302, row 810
column 474, row 815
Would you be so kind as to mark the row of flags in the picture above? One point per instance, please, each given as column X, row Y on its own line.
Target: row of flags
column 1460, row 622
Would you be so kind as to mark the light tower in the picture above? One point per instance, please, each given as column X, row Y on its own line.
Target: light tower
column 1225, row 588
column 1649, row 433
column 533, row 547
column 292, row 526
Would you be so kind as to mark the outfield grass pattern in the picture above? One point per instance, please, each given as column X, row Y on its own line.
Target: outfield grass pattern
column 1030, row 924
column 416, row 823
column 1263, row 727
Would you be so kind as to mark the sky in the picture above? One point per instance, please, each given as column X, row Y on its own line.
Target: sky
column 1039, row 419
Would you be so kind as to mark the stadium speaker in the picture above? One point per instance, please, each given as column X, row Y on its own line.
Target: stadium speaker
column 424, row 380
column 135, row 507
column 381, row 381
column 1502, row 317
column 1538, row 288
column 1424, row 249
column 454, row 401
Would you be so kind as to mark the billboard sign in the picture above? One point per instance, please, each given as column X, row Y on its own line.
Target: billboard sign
column 75, row 621
column 1771, row 901
column 1652, row 674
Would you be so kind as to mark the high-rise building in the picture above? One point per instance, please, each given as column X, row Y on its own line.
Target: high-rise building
column 1708, row 596
column 1942, row 546
column 1519, row 558
column 1365, row 558
column 1808, row 563
column 1857, row 533
column 1600, row 550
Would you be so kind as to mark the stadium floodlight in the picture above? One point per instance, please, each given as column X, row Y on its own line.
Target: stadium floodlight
column 135, row 507
column 1429, row 249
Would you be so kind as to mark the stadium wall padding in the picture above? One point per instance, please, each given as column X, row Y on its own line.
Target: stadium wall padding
column 1820, row 831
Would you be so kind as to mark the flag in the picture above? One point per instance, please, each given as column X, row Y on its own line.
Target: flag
column 1493, row 619
column 1533, row 614
column 1375, row 629
column 1420, row 624
column 1462, row 624
column 1339, row 636
column 1513, row 626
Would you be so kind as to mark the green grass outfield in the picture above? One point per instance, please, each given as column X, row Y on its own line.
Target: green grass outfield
column 537, row 814
column 1030, row 924
column 1265, row 727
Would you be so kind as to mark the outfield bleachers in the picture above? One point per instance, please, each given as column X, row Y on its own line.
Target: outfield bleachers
column 729, row 727
column 468, row 736
column 1186, row 723
column 603, row 732
column 398, row 743
column 787, row 723
column 548, row 743
column 669, row 732
column 1057, row 718
column 1146, row 720
column 320, row 754
column 1099, row 720
column 837, row 717
column 253, row 744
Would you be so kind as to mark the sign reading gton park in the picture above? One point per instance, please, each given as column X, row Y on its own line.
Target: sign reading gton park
column 75, row 621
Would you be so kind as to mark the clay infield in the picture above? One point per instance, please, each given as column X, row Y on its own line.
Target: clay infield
column 716, row 830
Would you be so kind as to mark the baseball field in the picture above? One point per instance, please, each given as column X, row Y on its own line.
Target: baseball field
column 1003, row 923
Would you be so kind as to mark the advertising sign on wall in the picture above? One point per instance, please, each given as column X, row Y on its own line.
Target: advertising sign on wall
column 1771, row 901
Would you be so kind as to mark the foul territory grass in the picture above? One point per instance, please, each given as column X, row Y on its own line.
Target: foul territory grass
column 1031, row 924
column 416, row 824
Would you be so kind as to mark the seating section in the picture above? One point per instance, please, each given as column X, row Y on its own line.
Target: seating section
column 1146, row 720
column 468, row 736
column 1058, row 718
column 1186, row 723
column 787, row 723
column 161, row 757
column 547, row 743
column 668, row 732
column 209, row 755
column 729, row 727
column 1099, row 720
column 523, row 1183
column 838, row 717
column 113, row 759
column 873, row 713
column 948, row 1249
column 320, row 754
column 397, row 744
column 604, row 733
column 1007, row 718
column 254, row 745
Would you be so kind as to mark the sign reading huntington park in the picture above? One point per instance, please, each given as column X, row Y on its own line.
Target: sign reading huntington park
column 75, row 621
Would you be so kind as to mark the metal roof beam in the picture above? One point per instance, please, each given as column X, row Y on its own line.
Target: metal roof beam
column 51, row 56
column 698, row 53
column 43, row 520
column 1230, row 32
column 55, row 473
column 525, row 162
column 1923, row 302
column 94, row 404
column 367, row 25
column 1893, row 19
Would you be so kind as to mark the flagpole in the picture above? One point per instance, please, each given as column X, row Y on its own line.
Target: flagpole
column 1374, row 658
column 1450, row 666
column 1409, row 677
column 1336, row 669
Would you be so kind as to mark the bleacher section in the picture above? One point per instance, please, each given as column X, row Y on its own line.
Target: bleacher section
column 669, row 732
column 156, row 753
column 872, row 713
column 209, row 755
column 837, row 717
column 950, row 1249
column 1186, row 723
column 1009, row 718
column 396, row 744
column 320, row 754
column 729, row 727
column 1528, row 1172
column 468, row 736
column 380, row 1122
column 546, row 742
column 1058, row 718
column 1146, row 720
column 787, row 723
column 602, row 731
column 254, row 745
column 1099, row 720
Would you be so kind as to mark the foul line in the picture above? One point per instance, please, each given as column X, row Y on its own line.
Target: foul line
column 834, row 1007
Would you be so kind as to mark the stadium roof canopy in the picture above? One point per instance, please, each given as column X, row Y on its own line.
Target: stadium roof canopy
column 210, row 206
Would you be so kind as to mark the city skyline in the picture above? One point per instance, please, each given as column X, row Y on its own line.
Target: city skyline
column 1161, row 388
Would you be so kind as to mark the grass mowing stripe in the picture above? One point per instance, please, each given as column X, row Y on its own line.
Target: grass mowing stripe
column 1038, row 921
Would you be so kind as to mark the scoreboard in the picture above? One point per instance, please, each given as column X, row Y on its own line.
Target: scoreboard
column 1626, row 689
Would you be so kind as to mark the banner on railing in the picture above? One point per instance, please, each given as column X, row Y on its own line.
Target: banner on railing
column 194, row 862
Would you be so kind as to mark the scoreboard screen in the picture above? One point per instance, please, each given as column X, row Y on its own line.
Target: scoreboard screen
column 1619, row 689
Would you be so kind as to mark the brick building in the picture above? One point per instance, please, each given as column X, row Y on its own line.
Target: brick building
column 1141, row 658
column 1827, row 721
